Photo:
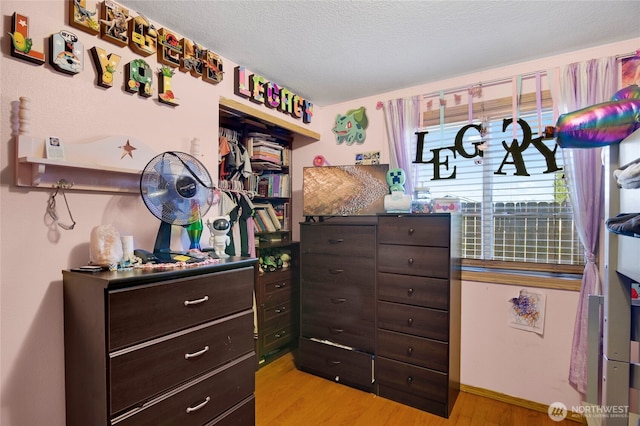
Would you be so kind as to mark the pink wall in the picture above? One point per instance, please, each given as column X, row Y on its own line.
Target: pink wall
column 494, row 356
column 76, row 110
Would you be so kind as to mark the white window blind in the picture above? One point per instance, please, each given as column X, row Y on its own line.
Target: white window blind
column 514, row 210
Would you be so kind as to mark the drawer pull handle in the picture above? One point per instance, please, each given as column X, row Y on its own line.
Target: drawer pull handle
column 334, row 241
column 410, row 322
column 197, row 354
column 337, row 300
column 281, row 285
column 409, row 380
column 333, row 363
column 410, row 261
column 199, row 406
column 336, row 330
column 280, row 334
column 336, row 271
column 410, row 291
column 196, row 302
column 281, row 310
column 411, row 231
column 409, row 351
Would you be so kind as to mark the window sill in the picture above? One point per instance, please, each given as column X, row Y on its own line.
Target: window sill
column 556, row 281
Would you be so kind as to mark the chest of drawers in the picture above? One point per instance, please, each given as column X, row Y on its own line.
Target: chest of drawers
column 418, row 311
column 337, row 296
column 277, row 311
column 165, row 348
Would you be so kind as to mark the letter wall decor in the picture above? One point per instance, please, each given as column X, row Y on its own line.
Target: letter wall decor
column 21, row 43
column 113, row 24
column 67, row 53
column 83, row 18
column 140, row 78
column 106, row 64
column 169, row 48
column 142, row 36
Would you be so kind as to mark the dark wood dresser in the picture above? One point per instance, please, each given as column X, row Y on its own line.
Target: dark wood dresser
column 337, row 297
column 278, row 309
column 160, row 348
column 418, row 311
column 380, row 306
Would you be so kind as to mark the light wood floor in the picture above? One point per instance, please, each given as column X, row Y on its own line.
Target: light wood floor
column 286, row 396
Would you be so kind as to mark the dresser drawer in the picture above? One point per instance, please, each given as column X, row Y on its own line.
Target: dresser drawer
column 348, row 329
column 199, row 401
column 146, row 312
column 424, row 322
column 414, row 290
column 414, row 260
column 137, row 375
column 275, row 337
column 276, row 291
column 355, row 241
column 418, row 381
column 432, row 230
column 354, row 300
column 337, row 271
column 275, row 285
column 352, row 368
column 242, row 414
column 277, row 313
column 406, row 398
column 411, row 349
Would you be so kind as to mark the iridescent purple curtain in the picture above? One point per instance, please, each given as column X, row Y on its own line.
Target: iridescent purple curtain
column 584, row 84
column 402, row 118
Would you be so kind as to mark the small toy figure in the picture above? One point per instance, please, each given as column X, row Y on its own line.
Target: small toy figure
column 396, row 179
column 397, row 201
column 286, row 260
column 219, row 239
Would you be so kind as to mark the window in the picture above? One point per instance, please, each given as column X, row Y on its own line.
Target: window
column 514, row 200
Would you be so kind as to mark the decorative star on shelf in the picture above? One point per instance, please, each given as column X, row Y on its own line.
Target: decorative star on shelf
column 127, row 149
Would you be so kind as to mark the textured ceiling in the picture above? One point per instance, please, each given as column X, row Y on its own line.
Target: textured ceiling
column 333, row 51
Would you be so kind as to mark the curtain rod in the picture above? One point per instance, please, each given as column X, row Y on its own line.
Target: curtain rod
column 629, row 55
column 483, row 84
column 504, row 80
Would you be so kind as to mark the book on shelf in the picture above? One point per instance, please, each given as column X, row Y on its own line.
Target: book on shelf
column 269, row 216
column 271, row 185
column 258, row 225
column 264, row 221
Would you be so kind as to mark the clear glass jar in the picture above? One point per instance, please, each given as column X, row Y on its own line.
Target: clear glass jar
column 421, row 201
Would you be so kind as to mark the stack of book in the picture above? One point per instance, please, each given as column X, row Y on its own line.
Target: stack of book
column 265, row 152
column 266, row 218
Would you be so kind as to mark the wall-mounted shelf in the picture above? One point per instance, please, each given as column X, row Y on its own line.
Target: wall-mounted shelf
column 102, row 165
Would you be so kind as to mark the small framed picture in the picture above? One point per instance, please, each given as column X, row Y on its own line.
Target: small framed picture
column 55, row 149
column 366, row 158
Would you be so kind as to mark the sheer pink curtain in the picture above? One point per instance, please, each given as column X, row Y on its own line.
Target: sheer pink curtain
column 584, row 84
column 402, row 118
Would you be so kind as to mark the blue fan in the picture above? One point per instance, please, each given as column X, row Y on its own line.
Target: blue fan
column 177, row 189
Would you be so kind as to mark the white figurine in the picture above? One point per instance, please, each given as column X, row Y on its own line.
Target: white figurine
column 219, row 239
